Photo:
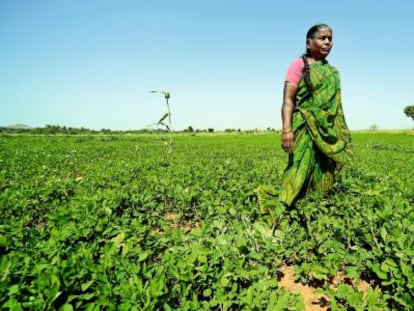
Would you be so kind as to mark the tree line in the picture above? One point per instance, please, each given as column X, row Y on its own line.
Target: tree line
column 57, row 129
column 68, row 130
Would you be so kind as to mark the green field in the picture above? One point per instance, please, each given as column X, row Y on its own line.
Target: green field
column 102, row 222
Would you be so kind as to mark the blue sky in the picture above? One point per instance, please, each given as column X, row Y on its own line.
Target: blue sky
column 93, row 63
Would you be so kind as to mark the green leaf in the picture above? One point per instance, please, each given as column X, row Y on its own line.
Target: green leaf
column 86, row 285
column 371, row 297
column 92, row 307
column 66, row 307
column 388, row 264
column 5, row 265
column 319, row 272
column 3, row 241
column 282, row 303
column 118, row 239
column 166, row 94
column 207, row 292
column 225, row 282
column 156, row 287
column 384, row 234
column 163, row 118
column 202, row 258
column 14, row 289
column 12, row 304
column 407, row 270
column 144, row 255
column 380, row 273
column 342, row 290
column 354, row 299
column 352, row 272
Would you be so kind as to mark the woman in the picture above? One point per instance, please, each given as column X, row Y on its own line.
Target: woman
column 314, row 133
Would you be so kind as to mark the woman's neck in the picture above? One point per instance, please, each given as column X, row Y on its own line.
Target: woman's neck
column 312, row 59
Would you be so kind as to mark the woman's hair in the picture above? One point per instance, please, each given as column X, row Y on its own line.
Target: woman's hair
column 306, row 74
column 309, row 35
column 314, row 29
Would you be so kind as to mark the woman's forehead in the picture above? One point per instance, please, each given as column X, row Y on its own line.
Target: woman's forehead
column 324, row 31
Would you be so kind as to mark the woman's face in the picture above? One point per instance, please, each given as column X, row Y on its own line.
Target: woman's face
column 320, row 44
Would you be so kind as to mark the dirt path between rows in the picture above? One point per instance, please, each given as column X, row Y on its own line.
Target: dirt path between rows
column 312, row 300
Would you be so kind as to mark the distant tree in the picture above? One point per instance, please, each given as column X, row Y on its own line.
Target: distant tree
column 210, row 130
column 409, row 111
column 52, row 129
column 190, row 129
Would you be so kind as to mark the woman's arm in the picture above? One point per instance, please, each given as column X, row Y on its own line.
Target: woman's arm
column 289, row 95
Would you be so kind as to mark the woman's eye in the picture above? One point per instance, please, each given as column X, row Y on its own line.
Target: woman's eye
column 323, row 38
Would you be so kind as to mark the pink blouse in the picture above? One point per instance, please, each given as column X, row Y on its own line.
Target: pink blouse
column 294, row 72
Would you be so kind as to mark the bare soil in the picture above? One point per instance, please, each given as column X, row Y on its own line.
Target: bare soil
column 312, row 300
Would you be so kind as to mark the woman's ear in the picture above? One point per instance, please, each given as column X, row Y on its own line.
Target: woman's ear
column 308, row 43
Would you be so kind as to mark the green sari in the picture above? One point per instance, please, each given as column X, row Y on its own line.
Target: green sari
column 322, row 139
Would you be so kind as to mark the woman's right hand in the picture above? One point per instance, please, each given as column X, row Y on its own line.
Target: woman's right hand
column 289, row 95
column 288, row 142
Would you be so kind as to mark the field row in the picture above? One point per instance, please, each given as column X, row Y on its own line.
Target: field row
column 116, row 223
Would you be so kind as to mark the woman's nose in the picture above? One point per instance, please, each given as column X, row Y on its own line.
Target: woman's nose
column 327, row 41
